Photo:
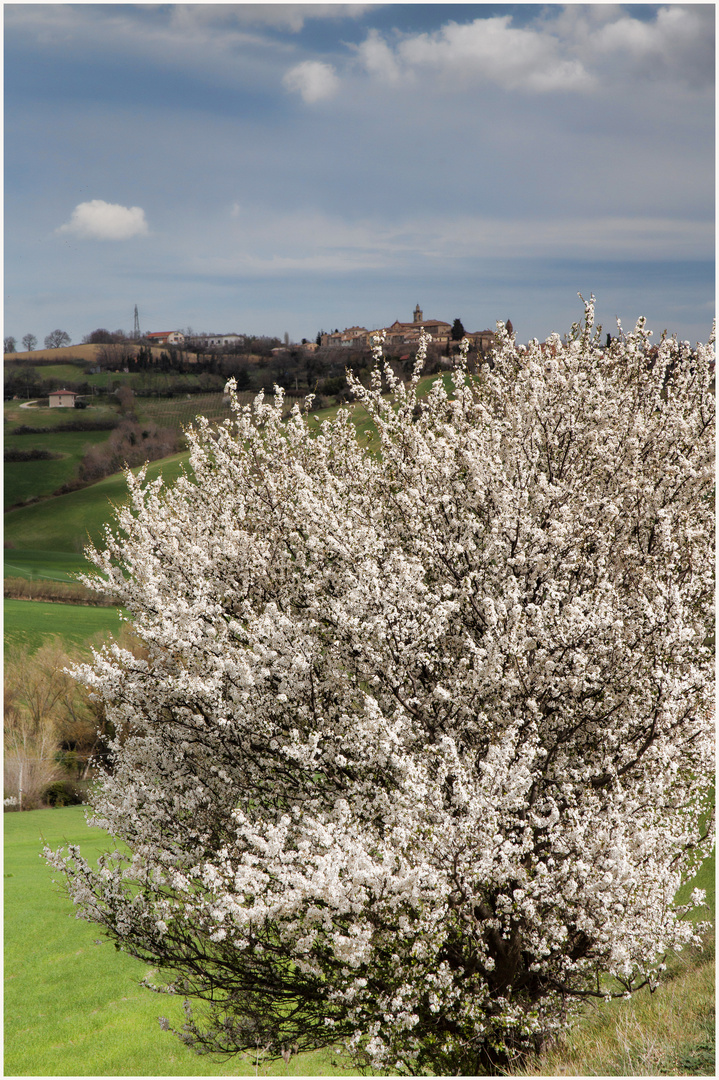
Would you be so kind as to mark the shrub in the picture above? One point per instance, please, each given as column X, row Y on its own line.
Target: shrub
column 63, row 592
column 13, row 454
column 100, row 423
column 418, row 756
column 64, row 793
column 129, row 445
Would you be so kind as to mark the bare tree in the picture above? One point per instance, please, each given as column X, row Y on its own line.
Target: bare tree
column 126, row 396
column 30, row 342
column 57, row 339
column 115, row 354
column 33, row 692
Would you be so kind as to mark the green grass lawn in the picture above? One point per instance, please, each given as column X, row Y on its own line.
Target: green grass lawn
column 73, row 1004
column 74, row 1007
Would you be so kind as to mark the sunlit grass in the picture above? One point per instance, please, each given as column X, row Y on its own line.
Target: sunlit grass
column 50, row 565
column 73, row 1004
column 64, row 523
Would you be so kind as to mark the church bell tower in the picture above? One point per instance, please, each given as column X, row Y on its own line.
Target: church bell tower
column 418, row 314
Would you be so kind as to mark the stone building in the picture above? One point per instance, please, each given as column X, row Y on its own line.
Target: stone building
column 407, row 333
column 62, row 399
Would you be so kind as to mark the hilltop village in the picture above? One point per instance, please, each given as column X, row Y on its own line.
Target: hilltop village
column 167, row 363
column 352, row 337
column 408, row 333
column 319, row 365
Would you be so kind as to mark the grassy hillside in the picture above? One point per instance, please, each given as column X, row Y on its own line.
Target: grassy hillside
column 16, row 414
column 28, row 479
column 64, row 523
column 180, row 412
column 38, row 479
column 50, row 565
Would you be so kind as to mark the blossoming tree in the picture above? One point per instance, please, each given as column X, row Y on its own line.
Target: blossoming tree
column 419, row 756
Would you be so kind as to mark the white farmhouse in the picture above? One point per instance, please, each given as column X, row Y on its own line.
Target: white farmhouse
column 166, row 337
column 62, row 399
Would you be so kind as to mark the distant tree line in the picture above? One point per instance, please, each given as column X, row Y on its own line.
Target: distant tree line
column 57, row 339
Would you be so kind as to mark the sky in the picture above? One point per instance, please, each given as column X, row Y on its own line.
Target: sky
column 290, row 168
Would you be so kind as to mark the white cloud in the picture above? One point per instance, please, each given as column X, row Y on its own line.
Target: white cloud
column 99, row 220
column 489, row 50
column 679, row 43
column 378, row 59
column 566, row 48
column 313, row 79
column 514, row 58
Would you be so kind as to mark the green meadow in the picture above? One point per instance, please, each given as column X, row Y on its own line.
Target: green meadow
column 46, row 541
column 16, row 415
column 50, row 565
column 28, row 623
column 25, row 479
column 39, row 479
column 73, row 1004
column 69, row 372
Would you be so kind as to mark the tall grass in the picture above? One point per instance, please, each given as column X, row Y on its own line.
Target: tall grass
column 670, row 1032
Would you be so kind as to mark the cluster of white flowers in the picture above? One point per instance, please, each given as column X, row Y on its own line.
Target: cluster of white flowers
column 419, row 754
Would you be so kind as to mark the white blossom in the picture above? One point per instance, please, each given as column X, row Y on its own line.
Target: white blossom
column 422, row 741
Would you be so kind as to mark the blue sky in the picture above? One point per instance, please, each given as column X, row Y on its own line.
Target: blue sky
column 279, row 168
